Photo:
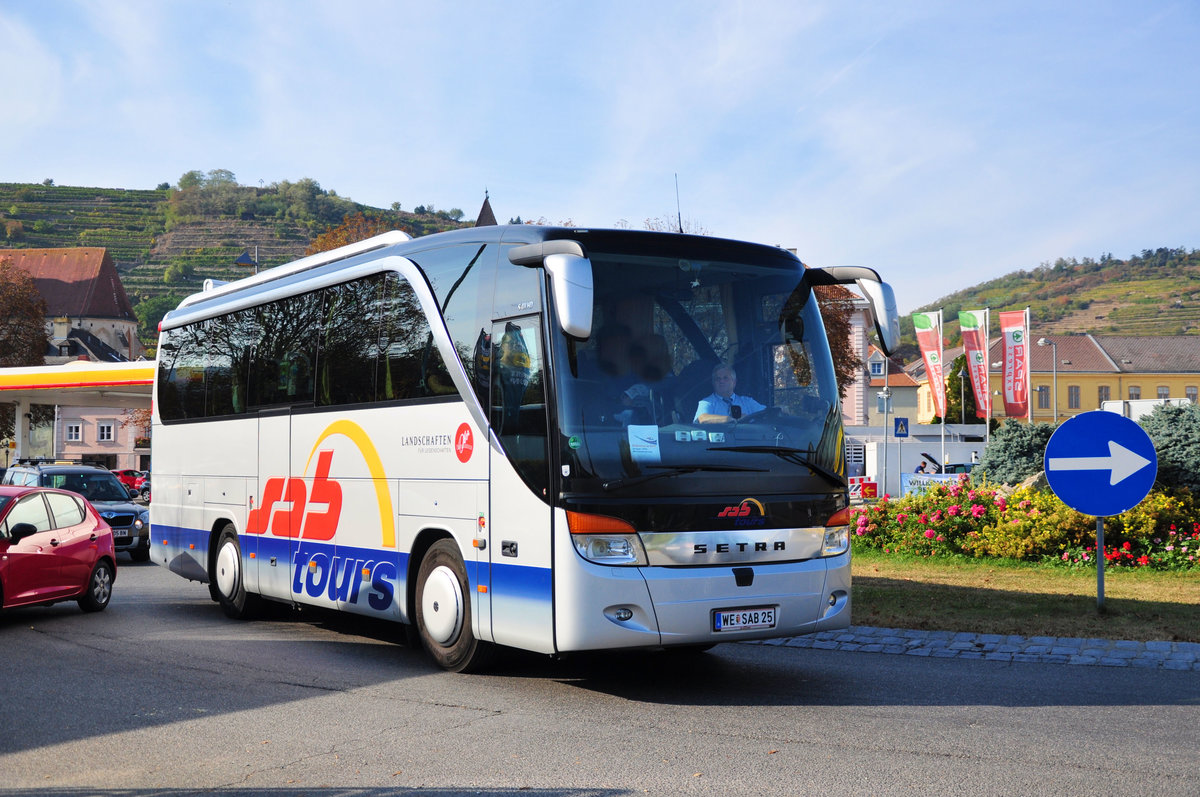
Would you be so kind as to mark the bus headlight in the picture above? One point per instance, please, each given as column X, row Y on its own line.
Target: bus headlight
column 606, row 540
column 837, row 533
column 610, row 549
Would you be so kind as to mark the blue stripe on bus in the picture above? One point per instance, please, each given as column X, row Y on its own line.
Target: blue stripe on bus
column 508, row 581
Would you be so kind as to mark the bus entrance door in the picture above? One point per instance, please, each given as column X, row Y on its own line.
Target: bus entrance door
column 272, row 557
column 521, row 588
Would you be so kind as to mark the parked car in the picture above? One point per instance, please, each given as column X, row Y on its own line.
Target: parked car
column 128, row 477
column 949, row 467
column 54, row 547
column 130, row 522
column 143, row 486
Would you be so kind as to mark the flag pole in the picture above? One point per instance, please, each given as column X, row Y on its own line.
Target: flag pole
column 945, row 403
column 987, row 375
column 1028, row 375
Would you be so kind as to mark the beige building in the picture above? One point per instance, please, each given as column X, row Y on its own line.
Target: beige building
column 1072, row 374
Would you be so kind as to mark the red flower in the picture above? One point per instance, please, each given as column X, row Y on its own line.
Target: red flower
column 1125, row 546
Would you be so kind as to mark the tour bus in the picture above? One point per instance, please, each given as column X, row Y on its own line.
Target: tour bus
column 493, row 435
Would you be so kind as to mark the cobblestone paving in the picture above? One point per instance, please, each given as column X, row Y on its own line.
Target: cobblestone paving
column 998, row 647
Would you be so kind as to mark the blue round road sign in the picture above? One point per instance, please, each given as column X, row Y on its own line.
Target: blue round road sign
column 1100, row 463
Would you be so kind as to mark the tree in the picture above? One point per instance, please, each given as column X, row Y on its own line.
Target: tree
column 837, row 308
column 669, row 223
column 1016, row 452
column 23, row 339
column 150, row 311
column 353, row 228
column 1175, row 432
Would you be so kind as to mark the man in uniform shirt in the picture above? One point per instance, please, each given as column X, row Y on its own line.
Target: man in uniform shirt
column 724, row 405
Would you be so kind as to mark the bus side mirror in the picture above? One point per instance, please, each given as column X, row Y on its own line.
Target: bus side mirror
column 878, row 294
column 571, row 283
column 883, row 310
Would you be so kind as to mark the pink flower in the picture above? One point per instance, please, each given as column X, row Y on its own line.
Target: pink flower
column 930, row 533
column 923, row 519
column 859, row 531
column 978, row 510
column 953, row 510
column 940, row 538
column 901, row 517
column 937, row 516
column 1065, row 556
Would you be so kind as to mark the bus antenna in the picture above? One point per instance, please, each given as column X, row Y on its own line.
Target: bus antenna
column 678, row 212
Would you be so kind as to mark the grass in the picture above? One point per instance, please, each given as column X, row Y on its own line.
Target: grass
column 999, row 597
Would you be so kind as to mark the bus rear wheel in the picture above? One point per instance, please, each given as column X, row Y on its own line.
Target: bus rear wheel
column 226, row 578
column 443, row 611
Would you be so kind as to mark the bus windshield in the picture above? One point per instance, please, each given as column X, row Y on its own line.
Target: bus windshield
column 701, row 374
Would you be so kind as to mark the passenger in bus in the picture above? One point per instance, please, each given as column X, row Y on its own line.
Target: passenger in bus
column 610, row 360
column 723, row 405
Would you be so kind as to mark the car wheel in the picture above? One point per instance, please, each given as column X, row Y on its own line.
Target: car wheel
column 99, row 587
column 146, row 496
column 226, row 577
column 444, row 611
column 141, row 553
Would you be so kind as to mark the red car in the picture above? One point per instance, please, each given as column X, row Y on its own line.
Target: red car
column 128, row 477
column 53, row 547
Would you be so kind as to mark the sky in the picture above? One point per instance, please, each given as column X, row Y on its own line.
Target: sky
column 941, row 143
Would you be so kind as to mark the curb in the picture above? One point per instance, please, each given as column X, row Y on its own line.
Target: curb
column 1000, row 647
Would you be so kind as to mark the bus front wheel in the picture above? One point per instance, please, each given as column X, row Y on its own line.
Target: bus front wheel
column 226, row 577
column 444, row 611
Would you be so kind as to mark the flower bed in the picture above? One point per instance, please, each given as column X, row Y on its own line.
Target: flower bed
column 1030, row 524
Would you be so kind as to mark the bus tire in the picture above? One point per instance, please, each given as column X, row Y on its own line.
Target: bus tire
column 443, row 611
column 226, row 577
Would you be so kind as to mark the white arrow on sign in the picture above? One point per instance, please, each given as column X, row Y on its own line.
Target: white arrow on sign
column 1120, row 460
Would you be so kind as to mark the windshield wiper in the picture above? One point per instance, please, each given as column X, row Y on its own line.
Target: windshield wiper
column 674, row 470
column 798, row 456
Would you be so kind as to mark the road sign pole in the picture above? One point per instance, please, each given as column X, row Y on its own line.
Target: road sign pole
column 1101, row 464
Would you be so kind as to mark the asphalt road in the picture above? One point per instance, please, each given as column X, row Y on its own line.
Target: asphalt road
column 162, row 695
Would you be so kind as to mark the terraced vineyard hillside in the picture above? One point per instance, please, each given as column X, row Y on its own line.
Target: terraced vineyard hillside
column 168, row 240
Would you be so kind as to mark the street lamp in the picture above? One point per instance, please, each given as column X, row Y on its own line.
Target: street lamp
column 1054, row 351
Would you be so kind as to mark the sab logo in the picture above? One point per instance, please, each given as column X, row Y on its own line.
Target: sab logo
column 285, row 501
column 743, row 513
column 292, row 519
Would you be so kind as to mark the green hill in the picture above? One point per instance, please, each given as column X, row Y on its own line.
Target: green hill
column 168, row 240
column 1155, row 292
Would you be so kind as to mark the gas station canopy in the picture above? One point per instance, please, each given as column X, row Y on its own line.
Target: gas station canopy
column 80, row 383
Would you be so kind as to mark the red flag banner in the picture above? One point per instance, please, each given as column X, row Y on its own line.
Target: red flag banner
column 929, row 338
column 975, row 346
column 1016, row 363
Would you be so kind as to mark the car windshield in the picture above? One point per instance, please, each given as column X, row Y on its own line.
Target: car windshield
column 92, row 486
column 707, row 363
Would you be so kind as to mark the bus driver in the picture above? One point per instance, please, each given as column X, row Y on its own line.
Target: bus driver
column 723, row 405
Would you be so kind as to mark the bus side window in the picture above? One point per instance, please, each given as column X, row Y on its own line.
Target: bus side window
column 349, row 342
column 283, row 357
column 411, row 365
column 519, row 398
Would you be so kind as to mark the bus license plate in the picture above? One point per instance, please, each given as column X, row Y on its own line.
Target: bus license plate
column 744, row 619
